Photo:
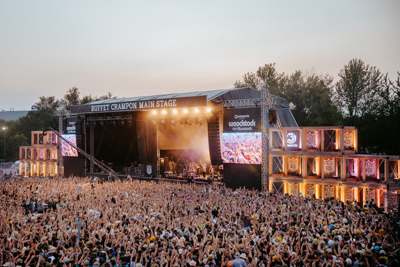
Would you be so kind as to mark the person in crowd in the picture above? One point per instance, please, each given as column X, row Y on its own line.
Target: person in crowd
column 50, row 223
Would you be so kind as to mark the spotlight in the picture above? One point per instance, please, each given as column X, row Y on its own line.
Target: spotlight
column 200, row 121
column 94, row 124
column 122, row 122
column 175, row 111
column 173, row 122
column 130, row 121
column 114, row 123
column 185, row 110
column 154, row 112
column 189, row 122
column 101, row 123
column 208, row 109
column 164, row 111
column 87, row 123
column 163, row 122
column 154, row 122
column 196, row 110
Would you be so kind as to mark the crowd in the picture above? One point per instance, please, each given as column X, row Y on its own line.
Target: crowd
column 80, row 222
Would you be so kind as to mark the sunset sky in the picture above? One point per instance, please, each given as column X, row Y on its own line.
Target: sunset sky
column 134, row 48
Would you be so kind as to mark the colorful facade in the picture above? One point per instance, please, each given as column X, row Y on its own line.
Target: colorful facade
column 323, row 161
column 40, row 159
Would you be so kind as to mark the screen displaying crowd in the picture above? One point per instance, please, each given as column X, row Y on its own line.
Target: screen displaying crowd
column 244, row 148
column 78, row 222
column 66, row 149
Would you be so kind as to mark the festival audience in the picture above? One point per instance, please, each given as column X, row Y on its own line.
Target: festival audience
column 80, row 222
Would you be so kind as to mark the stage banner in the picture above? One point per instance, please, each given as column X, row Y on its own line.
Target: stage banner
column 123, row 105
column 71, row 126
column 242, row 120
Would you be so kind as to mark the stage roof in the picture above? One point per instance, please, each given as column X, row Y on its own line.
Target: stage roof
column 199, row 98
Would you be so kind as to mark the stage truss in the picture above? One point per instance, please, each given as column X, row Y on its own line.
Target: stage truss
column 266, row 102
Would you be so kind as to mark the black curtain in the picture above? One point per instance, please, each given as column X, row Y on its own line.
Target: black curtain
column 242, row 175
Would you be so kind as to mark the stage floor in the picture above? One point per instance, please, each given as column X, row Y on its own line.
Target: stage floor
column 123, row 177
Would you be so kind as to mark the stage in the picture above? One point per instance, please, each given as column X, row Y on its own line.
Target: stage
column 174, row 137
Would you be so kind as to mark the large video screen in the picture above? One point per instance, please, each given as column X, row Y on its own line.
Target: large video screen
column 66, row 149
column 241, row 148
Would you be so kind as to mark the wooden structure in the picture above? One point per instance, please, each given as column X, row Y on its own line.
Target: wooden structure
column 41, row 158
column 323, row 161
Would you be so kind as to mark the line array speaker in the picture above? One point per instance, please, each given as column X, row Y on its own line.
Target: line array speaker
column 214, row 141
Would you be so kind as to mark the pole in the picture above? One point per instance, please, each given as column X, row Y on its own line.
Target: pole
column 60, row 157
column 265, row 137
column 5, row 132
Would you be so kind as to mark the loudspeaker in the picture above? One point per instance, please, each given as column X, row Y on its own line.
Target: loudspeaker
column 141, row 134
column 214, row 140
column 166, row 164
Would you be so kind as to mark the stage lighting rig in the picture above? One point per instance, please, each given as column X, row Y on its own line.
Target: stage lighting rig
column 196, row 110
column 189, row 122
column 154, row 122
column 122, row 122
column 101, row 123
column 154, row 112
column 164, row 112
column 200, row 121
column 208, row 109
column 173, row 122
column 163, row 122
column 185, row 111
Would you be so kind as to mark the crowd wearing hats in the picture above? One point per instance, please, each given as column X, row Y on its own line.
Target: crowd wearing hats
column 79, row 222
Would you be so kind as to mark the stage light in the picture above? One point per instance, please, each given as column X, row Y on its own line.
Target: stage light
column 114, row 123
column 154, row 112
column 185, row 110
column 154, row 122
column 200, row 121
column 173, row 122
column 175, row 111
column 196, row 110
column 208, row 109
column 87, row 123
column 189, row 122
column 122, row 122
column 164, row 111
column 163, row 122
column 94, row 124
column 130, row 121
column 101, row 123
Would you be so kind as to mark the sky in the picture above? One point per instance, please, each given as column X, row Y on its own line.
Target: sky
column 135, row 48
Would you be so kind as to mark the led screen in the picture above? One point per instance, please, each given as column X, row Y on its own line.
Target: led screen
column 241, row 148
column 66, row 149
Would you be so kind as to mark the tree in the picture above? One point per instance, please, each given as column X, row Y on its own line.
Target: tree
column 89, row 98
column 268, row 75
column 35, row 121
column 356, row 90
column 309, row 96
column 249, row 80
column 379, row 126
column 49, row 103
column 71, row 98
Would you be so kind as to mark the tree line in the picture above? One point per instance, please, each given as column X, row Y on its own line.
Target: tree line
column 363, row 97
column 42, row 116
